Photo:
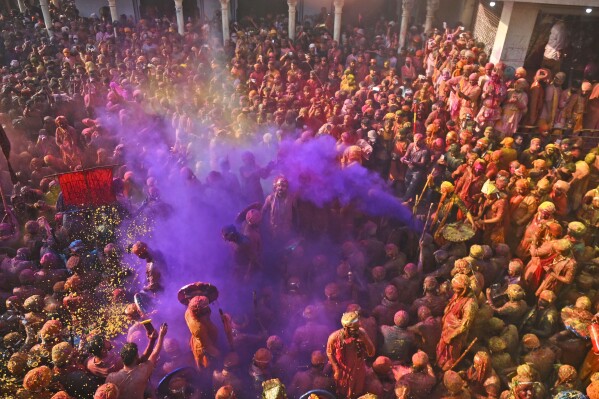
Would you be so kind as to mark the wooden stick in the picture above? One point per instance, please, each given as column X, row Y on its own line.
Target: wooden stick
column 419, row 197
column 428, row 216
column 464, row 353
column 3, row 200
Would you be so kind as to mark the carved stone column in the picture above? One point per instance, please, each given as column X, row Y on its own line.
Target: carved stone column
column 292, row 13
column 46, row 13
column 113, row 14
column 180, row 19
column 406, row 10
column 224, row 9
column 337, row 27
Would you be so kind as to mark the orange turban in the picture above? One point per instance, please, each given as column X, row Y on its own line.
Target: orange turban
column 37, row 379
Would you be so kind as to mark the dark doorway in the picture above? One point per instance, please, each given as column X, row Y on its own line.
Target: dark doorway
column 583, row 46
column 159, row 8
column 365, row 13
column 259, row 8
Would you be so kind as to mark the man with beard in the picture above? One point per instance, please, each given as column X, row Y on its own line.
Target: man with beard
column 69, row 142
column 469, row 185
column 347, row 350
column 536, row 230
column 542, row 320
column 459, row 315
column 469, row 97
column 514, row 108
column 492, row 215
column 448, row 211
column 280, row 211
column 551, row 101
column 562, row 270
column 522, row 207
column 452, row 158
column 397, row 171
column 576, row 107
column 493, row 94
column 382, row 148
column 531, row 154
column 537, row 95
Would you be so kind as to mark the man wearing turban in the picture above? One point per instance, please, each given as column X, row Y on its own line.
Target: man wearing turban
column 572, row 114
column 457, row 320
column 563, row 269
column 347, row 350
column 551, row 101
column 204, row 334
column 536, row 230
column 450, row 209
column 493, row 215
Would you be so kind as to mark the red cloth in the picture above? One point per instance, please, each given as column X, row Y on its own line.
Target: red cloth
column 91, row 187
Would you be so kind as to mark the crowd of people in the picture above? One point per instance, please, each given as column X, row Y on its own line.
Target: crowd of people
column 416, row 244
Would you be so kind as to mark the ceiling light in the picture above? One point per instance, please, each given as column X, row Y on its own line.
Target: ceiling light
column 492, row 4
column 588, row 10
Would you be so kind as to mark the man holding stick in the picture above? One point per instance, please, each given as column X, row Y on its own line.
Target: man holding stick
column 457, row 320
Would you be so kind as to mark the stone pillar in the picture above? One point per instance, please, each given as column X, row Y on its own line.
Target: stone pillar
column 46, row 13
column 337, row 27
column 224, row 9
column 502, row 28
column 113, row 14
column 468, row 8
column 431, row 7
column 180, row 19
column 292, row 13
column 406, row 9
column 21, row 6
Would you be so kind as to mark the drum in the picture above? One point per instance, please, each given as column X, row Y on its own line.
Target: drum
column 180, row 383
column 458, row 232
column 189, row 291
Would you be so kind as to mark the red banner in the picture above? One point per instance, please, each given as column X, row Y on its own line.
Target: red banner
column 91, row 187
